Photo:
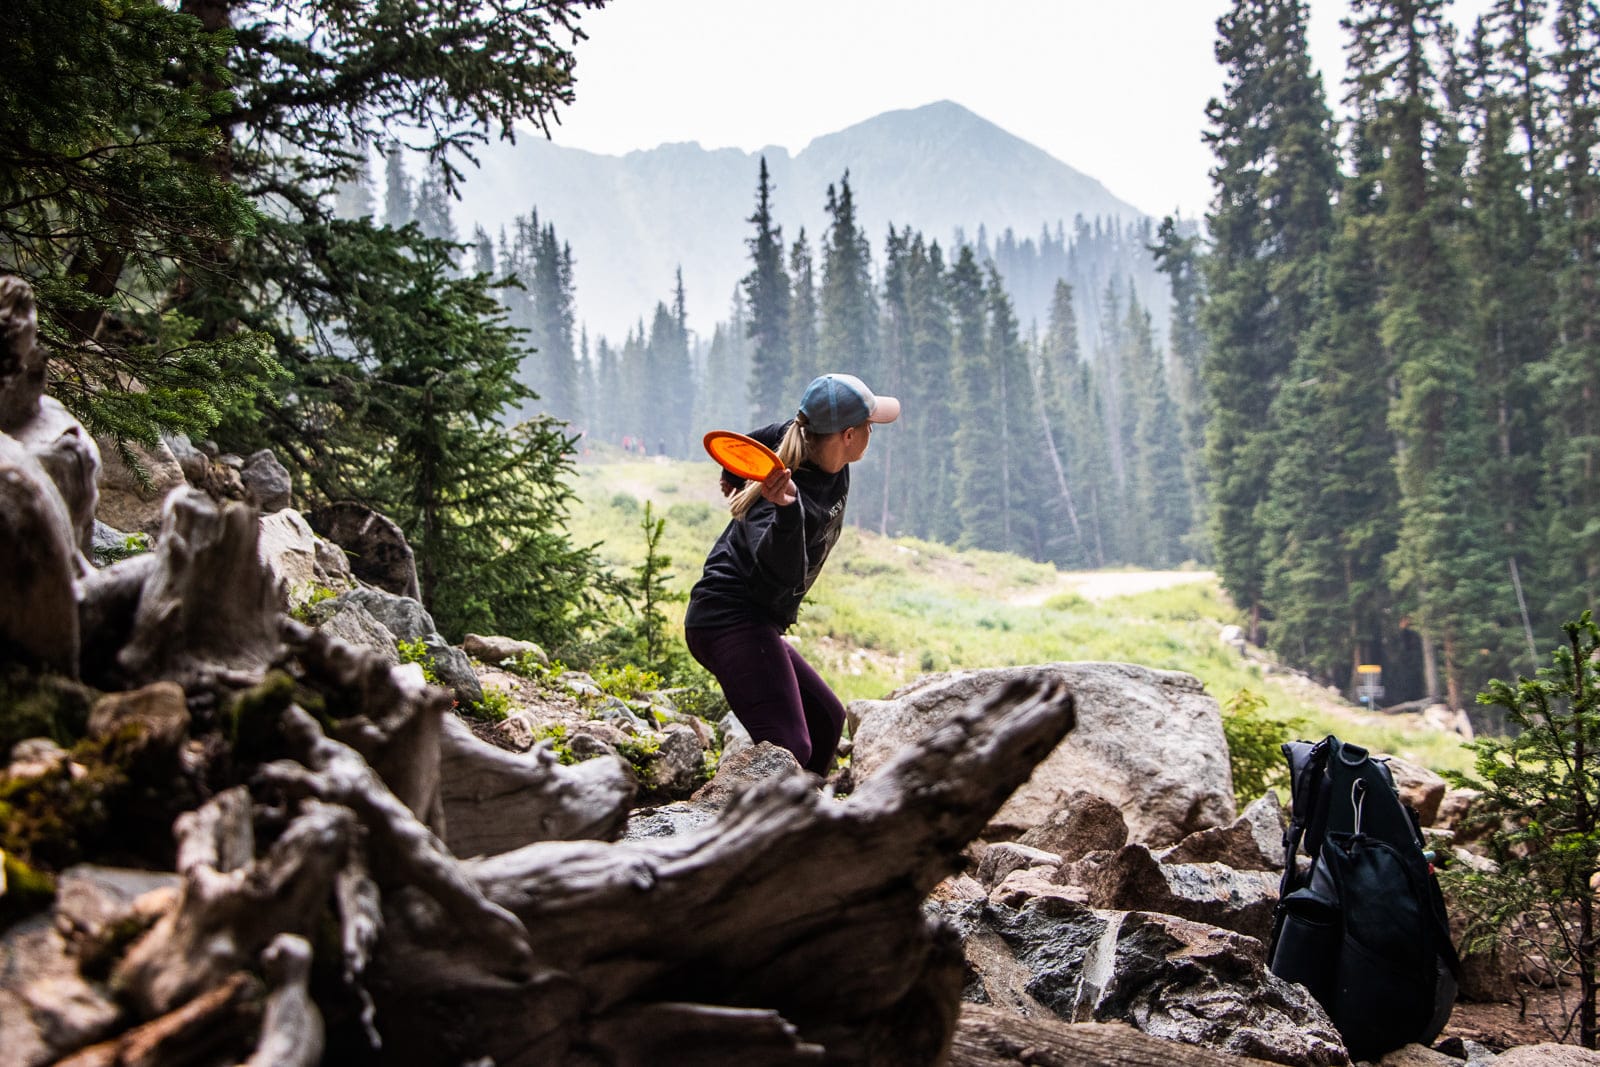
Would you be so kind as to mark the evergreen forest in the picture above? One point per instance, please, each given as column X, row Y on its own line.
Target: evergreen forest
column 1367, row 398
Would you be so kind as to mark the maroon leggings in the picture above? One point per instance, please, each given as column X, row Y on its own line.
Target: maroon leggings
column 772, row 690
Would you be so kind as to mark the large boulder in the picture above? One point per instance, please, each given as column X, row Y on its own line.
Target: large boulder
column 134, row 483
column 1131, row 879
column 1150, row 741
column 1421, row 788
column 1168, row 977
column 1088, row 823
column 296, row 555
column 266, row 482
column 378, row 547
column 408, row 620
column 1253, row 843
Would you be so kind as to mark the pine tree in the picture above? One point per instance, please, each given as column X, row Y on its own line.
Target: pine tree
column 431, row 210
column 1178, row 256
column 1016, row 434
column 353, row 197
column 1573, row 384
column 979, row 502
column 898, row 340
column 848, row 339
column 929, row 473
column 1073, row 442
column 1275, row 176
column 110, row 122
column 483, row 261
column 482, row 506
column 398, row 196
column 1158, row 489
column 1448, row 556
column 802, row 319
column 1509, row 273
column 1331, row 515
column 766, row 290
column 1543, row 794
column 721, row 401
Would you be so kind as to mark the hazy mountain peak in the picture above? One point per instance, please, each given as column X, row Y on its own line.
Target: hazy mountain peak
column 632, row 220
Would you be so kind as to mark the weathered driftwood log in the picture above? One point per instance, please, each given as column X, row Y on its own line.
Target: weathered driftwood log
column 496, row 801
column 991, row 1037
column 204, row 1030
column 38, row 605
column 40, row 423
column 291, row 1026
column 392, row 717
column 792, row 902
column 224, row 919
column 403, row 851
column 208, row 610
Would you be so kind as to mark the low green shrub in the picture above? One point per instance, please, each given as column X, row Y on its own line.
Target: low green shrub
column 1255, row 742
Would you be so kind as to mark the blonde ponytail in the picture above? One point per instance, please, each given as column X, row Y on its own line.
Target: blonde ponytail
column 792, row 450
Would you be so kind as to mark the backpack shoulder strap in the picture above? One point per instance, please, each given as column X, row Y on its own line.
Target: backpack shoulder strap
column 1307, row 762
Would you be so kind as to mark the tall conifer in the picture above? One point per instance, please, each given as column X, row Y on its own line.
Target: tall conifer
column 766, row 290
column 1275, row 176
column 1573, row 463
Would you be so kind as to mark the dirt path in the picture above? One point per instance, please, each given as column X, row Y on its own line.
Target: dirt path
column 1103, row 585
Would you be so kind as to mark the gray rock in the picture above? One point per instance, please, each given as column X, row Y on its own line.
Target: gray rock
column 581, row 685
column 191, row 460
column 1253, row 843
column 453, row 669
column 1415, row 1055
column 266, row 481
column 35, row 757
column 735, row 738
column 518, row 729
column 1150, row 741
column 409, row 621
column 1548, row 1054
column 1132, row 879
column 127, row 501
column 1086, row 823
column 1454, row 808
column 353, row 624
column 586, row 746
column 499, row 649
column 47, row 1009
column 1001, row 859
column 403, row 616
column 753, row 763
column 290, row 550
column 1419, row 787
column 669, row 820
column 679, row 765
column 605, row 732
column 380, row 555
column 1178, row 980
column 107, row 544
column 620, row 715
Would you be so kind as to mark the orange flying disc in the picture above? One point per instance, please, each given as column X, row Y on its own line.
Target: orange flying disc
column 741, row 456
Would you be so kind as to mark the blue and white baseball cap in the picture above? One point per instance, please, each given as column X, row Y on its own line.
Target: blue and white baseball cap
column 836, row 402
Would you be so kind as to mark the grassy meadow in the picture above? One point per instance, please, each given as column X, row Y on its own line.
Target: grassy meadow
column 889, row 609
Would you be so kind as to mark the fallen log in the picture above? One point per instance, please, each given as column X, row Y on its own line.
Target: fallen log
column 791, row 902
column 991, row 1037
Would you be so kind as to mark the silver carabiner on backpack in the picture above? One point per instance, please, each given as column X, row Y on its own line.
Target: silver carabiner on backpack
column 1358, row 796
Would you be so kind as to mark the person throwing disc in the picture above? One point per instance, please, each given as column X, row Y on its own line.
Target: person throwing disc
column 766, row 560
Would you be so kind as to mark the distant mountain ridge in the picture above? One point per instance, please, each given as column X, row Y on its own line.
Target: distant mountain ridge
column 632, row 220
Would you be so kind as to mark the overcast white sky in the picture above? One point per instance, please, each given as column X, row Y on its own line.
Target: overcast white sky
column 1115, row 88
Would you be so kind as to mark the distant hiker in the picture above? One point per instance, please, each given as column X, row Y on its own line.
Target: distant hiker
column 766, row 560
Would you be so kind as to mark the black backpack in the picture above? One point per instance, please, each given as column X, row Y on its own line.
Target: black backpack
column 1363, row 927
